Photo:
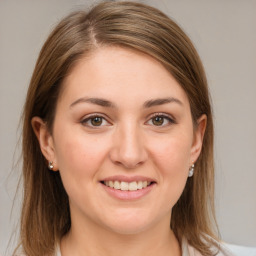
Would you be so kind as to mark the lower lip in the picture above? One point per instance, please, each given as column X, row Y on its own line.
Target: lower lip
column 128, row 195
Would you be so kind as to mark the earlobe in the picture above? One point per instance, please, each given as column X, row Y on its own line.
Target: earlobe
column 198, row 138
column 45, row 139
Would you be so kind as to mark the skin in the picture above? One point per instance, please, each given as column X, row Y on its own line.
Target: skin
column 129, row 141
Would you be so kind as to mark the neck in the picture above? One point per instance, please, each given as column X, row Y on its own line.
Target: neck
column 94, row 240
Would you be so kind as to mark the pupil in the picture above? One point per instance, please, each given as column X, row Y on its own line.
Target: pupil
column 96, row 121
column 158, row 120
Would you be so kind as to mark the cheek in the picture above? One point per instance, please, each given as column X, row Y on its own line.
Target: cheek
column 171, row 157
column 172, row 154
column 79, row 157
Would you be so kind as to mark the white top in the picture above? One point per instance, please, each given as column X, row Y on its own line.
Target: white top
column 188, row 250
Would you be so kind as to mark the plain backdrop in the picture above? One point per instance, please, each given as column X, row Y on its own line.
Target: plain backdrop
column 223, row 31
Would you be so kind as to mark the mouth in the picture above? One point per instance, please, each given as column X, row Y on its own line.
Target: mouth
column 127, row 186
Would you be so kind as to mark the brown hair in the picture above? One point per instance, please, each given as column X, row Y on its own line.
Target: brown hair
column 45, row 213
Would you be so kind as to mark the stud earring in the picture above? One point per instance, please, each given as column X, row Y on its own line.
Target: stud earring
column 50, row 165
column 191, row 170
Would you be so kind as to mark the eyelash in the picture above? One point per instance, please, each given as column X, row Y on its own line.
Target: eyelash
column 90, row 118
column 167, row 117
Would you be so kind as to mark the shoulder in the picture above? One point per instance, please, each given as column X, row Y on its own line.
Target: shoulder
column 57, row 253
column 221, row 250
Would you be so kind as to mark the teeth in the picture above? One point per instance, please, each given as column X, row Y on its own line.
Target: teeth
column 125, row 186
column 116, row 185
column 111, row 184
column 133, row 186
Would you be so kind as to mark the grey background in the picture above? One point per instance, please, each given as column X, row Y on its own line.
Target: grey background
column 224, row 32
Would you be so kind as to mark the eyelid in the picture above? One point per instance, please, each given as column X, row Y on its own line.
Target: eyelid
column 169, row 117
column 90, row 116
column 86, row 118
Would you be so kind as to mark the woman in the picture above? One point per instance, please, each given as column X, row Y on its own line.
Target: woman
column 118, row 140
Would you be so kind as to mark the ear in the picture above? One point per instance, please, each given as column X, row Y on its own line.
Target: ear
column 198, row 138
column 45, row 140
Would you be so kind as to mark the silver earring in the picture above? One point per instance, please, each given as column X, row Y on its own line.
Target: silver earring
column 191, row 170
column 50, row 165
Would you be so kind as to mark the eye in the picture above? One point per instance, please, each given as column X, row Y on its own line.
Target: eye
column 95, row 121
column 161, row 120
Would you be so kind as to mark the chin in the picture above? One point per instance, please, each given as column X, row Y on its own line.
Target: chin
column 127, row 228
column 128, row 223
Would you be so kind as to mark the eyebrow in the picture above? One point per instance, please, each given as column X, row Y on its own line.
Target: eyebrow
column 162, row 101
column 96, row 101
column 109, row 104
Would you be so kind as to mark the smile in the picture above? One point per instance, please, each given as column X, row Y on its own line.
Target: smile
column 127, row 186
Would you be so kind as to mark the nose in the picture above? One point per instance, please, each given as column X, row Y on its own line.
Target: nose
column 128, row 147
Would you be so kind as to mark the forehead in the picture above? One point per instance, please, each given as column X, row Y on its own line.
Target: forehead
column 119, row 74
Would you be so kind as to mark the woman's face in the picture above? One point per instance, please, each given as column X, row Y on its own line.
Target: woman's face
column 123, row 141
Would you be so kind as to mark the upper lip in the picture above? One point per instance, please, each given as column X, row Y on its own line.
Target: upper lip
column 128, row 178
